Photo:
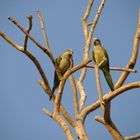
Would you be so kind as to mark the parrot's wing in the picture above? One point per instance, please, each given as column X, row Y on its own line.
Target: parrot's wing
column 58, row 60
column 93, row 56
column 106, row 56
column 105, row 53
column 56, row 79
column 71, row 62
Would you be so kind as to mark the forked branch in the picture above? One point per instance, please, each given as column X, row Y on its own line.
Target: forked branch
column 45, row 50
column 62, row 108
column 106, row 107
column 108, row 97
column 61, row 122
column 88, row 38
column 28, row 30
column 32, row 58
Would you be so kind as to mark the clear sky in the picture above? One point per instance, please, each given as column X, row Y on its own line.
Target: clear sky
column 22, row 99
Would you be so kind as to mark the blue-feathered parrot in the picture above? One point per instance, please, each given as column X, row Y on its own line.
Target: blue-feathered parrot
column 64, row 62
column 99, row 54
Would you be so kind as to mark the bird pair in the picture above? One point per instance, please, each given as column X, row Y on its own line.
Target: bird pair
column 99, row 54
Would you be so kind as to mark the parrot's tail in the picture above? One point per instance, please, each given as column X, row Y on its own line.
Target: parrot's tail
column 108, row 79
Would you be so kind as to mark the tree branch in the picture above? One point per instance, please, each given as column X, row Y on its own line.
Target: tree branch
column 27, row 34
column 108, row 97
column 47, row 112
column 134, row 137
column 39, row 68
column 88, row 37
column 80, row 130
column 106, row 106
column 38, row 45
column 12, row 43
column 115, row 68
column 85, row 17
column 28, row 30
column 133, row 58
column 62, row 83
column 81, row 65
column 95, row 20
column 85, row 55
column 43, row 30
column 62, row 123
column 59, row 97
column 29, row 55
column 99, row 89
column 62, row 108
column 60, row 90
column 108, row 123
column 111, row 128
column 75, row 99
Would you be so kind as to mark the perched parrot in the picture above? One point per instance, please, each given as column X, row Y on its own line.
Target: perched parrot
column 64, row 62
column 99, row 54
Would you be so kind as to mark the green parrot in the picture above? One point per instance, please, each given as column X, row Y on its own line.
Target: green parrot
column 99, row 54
column 64, row 62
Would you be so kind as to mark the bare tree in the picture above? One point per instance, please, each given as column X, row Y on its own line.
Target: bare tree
column 60, row 114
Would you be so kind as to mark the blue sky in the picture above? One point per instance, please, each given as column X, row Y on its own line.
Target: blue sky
column 22, row 99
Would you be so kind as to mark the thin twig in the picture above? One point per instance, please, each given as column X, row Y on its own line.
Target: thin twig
column 43, row 30
column 85, row 17
column 38, row 45
column 47, row 112
column 134, row 137
column 99, row 119
column 89, row 24
column 115, row 68
column 28, row 30
column 33, row 58
column 77, row 67
column 11, row 42
column 39, row 68
column 27, row 34
column 94, row 23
